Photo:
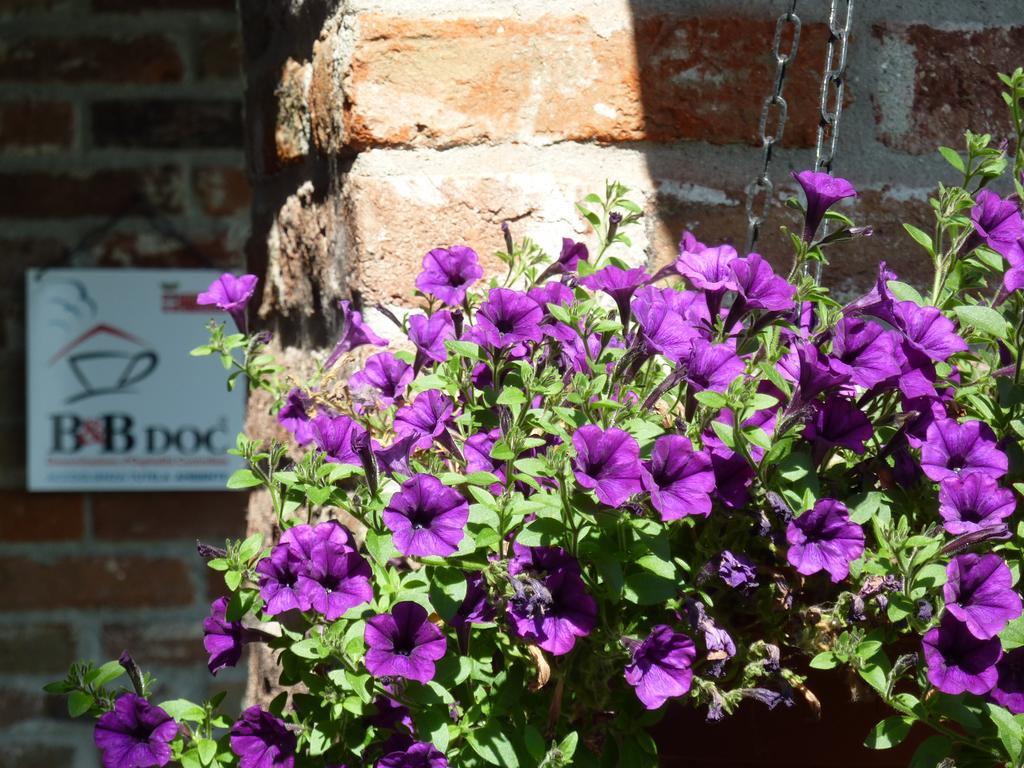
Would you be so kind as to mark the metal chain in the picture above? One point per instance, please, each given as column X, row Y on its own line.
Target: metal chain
column 775, row 108
column 830, row 106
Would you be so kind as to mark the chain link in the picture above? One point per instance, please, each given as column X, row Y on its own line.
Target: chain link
column 774, row 112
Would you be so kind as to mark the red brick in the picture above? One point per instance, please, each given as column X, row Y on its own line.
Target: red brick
column 23, row 253
column 36, row 649
column 446, row 82
column 145, row 59
column 142, row 6
column 94, row 581
column 99, row 193
column 942, row 82
column 152, row 249
column 36, row 125
column 156, row 643
column 220, row 56
column 222, row 191
column 292, row 124
column 40, row 516
column 167, row 124
column 187, row 516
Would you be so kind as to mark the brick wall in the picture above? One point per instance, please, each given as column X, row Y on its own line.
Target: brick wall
column 120, row 145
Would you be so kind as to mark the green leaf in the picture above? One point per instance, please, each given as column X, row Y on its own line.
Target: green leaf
column 79, row 702
column 244, row 478
column 380, row 546
column 952, row 158
column 932, row 751
column 207, row 749
column 645, row 588
column 484, row 479
column 447, row 591
column 920, row 237
column 888, row 733
column 463, row 349
column 824, row 660
column 713, row 400
column 183, row 710
column 905, row 292
column 568, row 745
column 1012, row 635
column 511, row 396
column 983, row 319
column 233, row 579
column 657, row 566
column 1009, row 731
column 105, row 674
column 310, row 648
column 250, row 547
column 493, row 744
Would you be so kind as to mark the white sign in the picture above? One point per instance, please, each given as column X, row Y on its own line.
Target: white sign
column 115, row 401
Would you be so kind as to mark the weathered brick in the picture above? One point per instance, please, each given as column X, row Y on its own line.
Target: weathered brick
column 222, row 191
column 145, row 59
column 167, row 124
column 940, row 82
column 220, row 56
column 186, row 516
column 292, row 126
column 22, row 253
column 88, row 193
column 36, row 649
column 35, row 756
column 170, row 644
column 40, row 516
column 37, row 126
column 142, row 6
column 154, row 249
column 94, row 581
column 432, row 82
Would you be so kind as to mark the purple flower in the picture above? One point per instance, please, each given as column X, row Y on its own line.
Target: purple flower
column 738, row 571
column 618, row 283
column 979, row 592
column 822, row 192
column 394, row 459
column 865, row 352
column 427, row 518
column 278, row 579
column 420, row 754
column 712, row 366
column 303, row 539
column 998, row 224
column 508, row 318
column 403, row 643
column 608, row 463
column 335, row 580
column 230, row 294
column 383, row 380
column 429, row 334
column 1009, row 689
column 709, row 269
column 679, row 479
column 837, row 421
column 294, row 415
column 952, row 449
column 572, row 254
column 877, row 302
column 222, row 639
column 426, row 419
column 135, row 734
column 448, row 272
column 550, row 605
column 972, row 502
column 354, row 333
column 333, row 435
column 957, row 660
column 927, row 331
column 660, row 667
column 665, row 331
column 475, row 607
column 759, row 287
column 824, row 539
column 809, row 368
column 733, row 476
column 261, row 740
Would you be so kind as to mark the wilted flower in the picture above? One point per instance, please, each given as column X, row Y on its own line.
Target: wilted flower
column 230, row 294
column 261, row 740
column 979, row 592
column 427, row 518
column 607, row 462
column 134, row 734
column 403, row 643
column 957, row 660
column 824, row 539
column 448, row 272
column 660, row 666
column 738, row 571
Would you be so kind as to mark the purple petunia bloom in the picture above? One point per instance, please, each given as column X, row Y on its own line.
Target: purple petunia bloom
column 809, row 368
column 448, row 272
column 865, row 351
column 758, row 287
column 822, row 192
column 929, row 334
column 877, row 302
column 420, row 754
column 383, row 379
column 508, row 318
column 618, row 283
column 230, row 294
column 1009, row 688
column 335, row 580
column 952, row 449
column 679, row 479
column 135, row 734
column 294, row 415
column 709, row 269
column 278, row 579
column 394, row 459
column 429, row 334
column 972, row 502
column 403, row 643
column 426, row 419
column 333, row 435
column 998, row 224
column 979, row 592
column 665, row 331
column 738, row 571
column 475, row 607
column 354, row 333
column 261, row 740
column 572, row 254
column 427, row 518
column 222, row 639
column 608, row 463
column 957, row 660
column 550, row 605
column 838, row 422
column 712, row 366
column 824, row 539
column 660, row 666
